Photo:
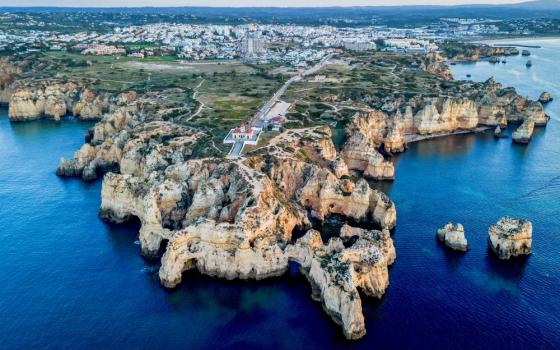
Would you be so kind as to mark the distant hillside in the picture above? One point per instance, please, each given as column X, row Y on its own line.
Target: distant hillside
column 539, row 4
column 391, row 15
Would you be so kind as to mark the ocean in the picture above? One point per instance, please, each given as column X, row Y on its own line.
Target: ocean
column 70, row 280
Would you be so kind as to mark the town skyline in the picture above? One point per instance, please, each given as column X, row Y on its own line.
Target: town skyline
column 252, row 3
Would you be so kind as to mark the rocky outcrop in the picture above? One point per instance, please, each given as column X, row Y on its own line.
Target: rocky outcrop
column 511, row 237
column 545, row 97
column 453, row 235
column 55, row 99
column 235, row 218
column 383, row 239
column 339, row 167
column 499, row 133
column 471, row 52
column 535, row 111
column 359, row 154
column 524, row 132
column 336, row 273
column 442, row 116
column 323, row 194
column 90, row 106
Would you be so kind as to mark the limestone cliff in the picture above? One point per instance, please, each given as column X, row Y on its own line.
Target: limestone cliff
column 336, row 272
column 359, row 154
column 235, row 218
column 55, row 99
column 447, row 115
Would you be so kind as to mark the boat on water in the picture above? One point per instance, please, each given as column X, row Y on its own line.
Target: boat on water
column 525, row 53
column 529, row 63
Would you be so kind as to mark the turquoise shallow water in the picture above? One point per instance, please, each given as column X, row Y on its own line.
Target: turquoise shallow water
column 69, row 280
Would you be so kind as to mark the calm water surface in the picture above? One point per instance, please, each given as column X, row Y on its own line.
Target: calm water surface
column 69, row 280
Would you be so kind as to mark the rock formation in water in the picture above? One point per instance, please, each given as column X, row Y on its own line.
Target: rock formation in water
column 453, row 235
column 235, row 218
column 499, row 133
column 545, row 97
column 524, row 132
column 511, row 237
column 336, row 271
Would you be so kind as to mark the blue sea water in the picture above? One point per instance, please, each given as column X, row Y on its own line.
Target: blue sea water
column 69, row 280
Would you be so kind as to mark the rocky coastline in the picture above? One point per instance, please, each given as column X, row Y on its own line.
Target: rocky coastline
column 237, row 218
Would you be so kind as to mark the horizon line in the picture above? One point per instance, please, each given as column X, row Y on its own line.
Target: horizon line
column 270, row 7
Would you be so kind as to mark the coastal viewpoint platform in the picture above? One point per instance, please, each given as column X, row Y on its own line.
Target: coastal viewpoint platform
column 241, row 136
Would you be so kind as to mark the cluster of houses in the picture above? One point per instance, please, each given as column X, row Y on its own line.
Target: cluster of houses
column 103, row 50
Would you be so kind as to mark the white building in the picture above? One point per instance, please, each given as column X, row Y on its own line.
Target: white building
column 252, row 45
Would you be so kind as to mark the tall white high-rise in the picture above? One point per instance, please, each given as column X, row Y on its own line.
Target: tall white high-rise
column 252, row 44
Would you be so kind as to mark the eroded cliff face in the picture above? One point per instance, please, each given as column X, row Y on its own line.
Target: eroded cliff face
column 373, row 135
column 524, row 132
column 236, row 218
column 55, row 99
column 362, row 155
column 336, row 272
column 445, row 116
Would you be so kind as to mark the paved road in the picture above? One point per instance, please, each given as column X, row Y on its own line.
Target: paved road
column 236, row 149
column 256, row 120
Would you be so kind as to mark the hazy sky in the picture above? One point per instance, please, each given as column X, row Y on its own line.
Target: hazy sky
column 227, row 3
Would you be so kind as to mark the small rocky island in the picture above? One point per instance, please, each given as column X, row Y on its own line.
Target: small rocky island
column 545, row 97
column 453, row 235
column 511, row 237
column 499, row 133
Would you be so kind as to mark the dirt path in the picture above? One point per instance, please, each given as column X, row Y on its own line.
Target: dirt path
column 200, row 105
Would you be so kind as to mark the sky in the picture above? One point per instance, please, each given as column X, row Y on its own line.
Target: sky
column 241, row 3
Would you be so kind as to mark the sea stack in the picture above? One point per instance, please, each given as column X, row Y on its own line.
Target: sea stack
column 545, row 97
column 498, row 132
column 453, row 235
column 511, row 237
column 524, row 132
